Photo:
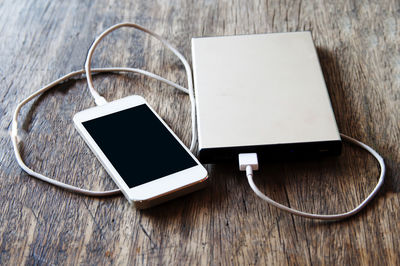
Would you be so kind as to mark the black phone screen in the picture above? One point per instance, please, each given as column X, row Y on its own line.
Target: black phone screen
column 138, row 145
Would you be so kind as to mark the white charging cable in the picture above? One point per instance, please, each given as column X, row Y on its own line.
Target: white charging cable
column 249, row 162
column 248, row 165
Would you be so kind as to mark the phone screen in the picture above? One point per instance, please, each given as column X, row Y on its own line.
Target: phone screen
column 138, row 145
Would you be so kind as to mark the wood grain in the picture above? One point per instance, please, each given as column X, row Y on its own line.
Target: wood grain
column 358, row 45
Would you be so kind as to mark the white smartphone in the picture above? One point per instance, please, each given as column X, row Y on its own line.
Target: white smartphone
column 140, row 152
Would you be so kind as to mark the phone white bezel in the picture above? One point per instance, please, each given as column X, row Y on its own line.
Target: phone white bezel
column 150, row 190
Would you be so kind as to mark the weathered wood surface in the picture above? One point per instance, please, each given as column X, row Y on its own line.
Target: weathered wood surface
column 358, row 45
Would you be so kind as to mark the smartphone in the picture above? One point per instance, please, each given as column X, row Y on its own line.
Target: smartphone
column 143, row 156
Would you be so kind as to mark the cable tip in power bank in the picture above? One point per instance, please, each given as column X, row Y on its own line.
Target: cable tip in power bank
column 248, row 159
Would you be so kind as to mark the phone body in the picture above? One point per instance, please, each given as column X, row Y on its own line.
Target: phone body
column 143, row 156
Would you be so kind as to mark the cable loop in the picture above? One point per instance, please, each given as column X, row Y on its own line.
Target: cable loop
column 100, row 100
column 328, row 217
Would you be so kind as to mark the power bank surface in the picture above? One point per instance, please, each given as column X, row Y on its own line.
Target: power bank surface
column 261, row 93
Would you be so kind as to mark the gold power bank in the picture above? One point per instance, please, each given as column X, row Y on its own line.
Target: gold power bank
column 262, row 93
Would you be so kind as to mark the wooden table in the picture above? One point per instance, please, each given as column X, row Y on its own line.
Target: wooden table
column 358, row 45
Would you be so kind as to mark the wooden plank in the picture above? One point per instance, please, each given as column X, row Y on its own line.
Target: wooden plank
column 358, row 45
